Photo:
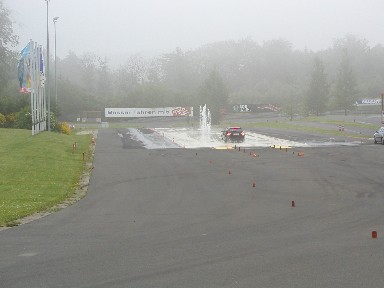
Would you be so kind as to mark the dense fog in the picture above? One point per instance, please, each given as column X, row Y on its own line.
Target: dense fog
column 304, row 57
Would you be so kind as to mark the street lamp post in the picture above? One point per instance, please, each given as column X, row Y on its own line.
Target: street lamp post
column 47, row 92
column 57, row 106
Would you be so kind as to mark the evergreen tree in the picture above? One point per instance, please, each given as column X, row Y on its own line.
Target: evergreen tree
column 345, row 89
column 317, row 94
column 7, row 61
column 7, row 40
column 214, row 93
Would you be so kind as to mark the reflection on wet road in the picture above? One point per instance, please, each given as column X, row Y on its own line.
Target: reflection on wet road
column 192, row 138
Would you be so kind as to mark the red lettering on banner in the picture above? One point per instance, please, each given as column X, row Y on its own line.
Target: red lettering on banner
column 180, row 111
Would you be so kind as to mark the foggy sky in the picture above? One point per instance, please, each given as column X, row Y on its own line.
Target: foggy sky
column 119, row 28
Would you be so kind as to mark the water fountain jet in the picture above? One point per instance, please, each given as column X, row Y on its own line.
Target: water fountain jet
column 205, row 124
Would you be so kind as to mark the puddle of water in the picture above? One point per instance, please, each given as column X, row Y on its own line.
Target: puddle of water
column 191, row 138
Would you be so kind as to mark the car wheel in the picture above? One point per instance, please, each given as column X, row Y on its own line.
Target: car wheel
column 382, row 140
column 374, row 140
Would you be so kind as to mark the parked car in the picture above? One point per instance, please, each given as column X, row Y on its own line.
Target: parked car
column 379, row 136
column 233, row 134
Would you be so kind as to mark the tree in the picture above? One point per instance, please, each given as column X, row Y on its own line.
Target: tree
column 137, row 70
column 7, row 40
column 345, row 89
column 104, row 83
column 278, row 56
column 317, row 94
column 179, row 73
column 70, row 68
column 10, row 100
column 73, row 100
column 89, row 72
column 214, row 93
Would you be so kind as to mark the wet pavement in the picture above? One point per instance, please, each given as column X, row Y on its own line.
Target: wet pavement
column 156, row 138
column 171, row 218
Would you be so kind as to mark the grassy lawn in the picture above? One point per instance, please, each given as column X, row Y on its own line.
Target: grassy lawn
column 38, row 172
column 337, row 122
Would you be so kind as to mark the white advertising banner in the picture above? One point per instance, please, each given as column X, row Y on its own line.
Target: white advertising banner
column 149, row 112
column 363, row 102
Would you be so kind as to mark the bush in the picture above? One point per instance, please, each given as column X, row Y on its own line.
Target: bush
column 64, row 128
column 54, row 126
column 10, row 120
column 2, row 120
column 24, row 119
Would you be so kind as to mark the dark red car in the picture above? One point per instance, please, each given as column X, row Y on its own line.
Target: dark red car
column 233, row 134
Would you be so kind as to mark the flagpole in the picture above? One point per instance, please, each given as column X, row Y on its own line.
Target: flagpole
column 47, row 90
column 32, row 75
column 56, row 104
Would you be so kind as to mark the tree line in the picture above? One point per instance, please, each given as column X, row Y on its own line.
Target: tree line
column 216, row 74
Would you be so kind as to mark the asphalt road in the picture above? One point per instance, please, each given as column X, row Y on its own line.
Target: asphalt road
column 192, row 218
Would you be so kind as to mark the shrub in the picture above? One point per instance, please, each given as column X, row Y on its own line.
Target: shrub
column 64, row 128
column 54, row 126
column 24, row 119
column 2, row 120
column 10, row 120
